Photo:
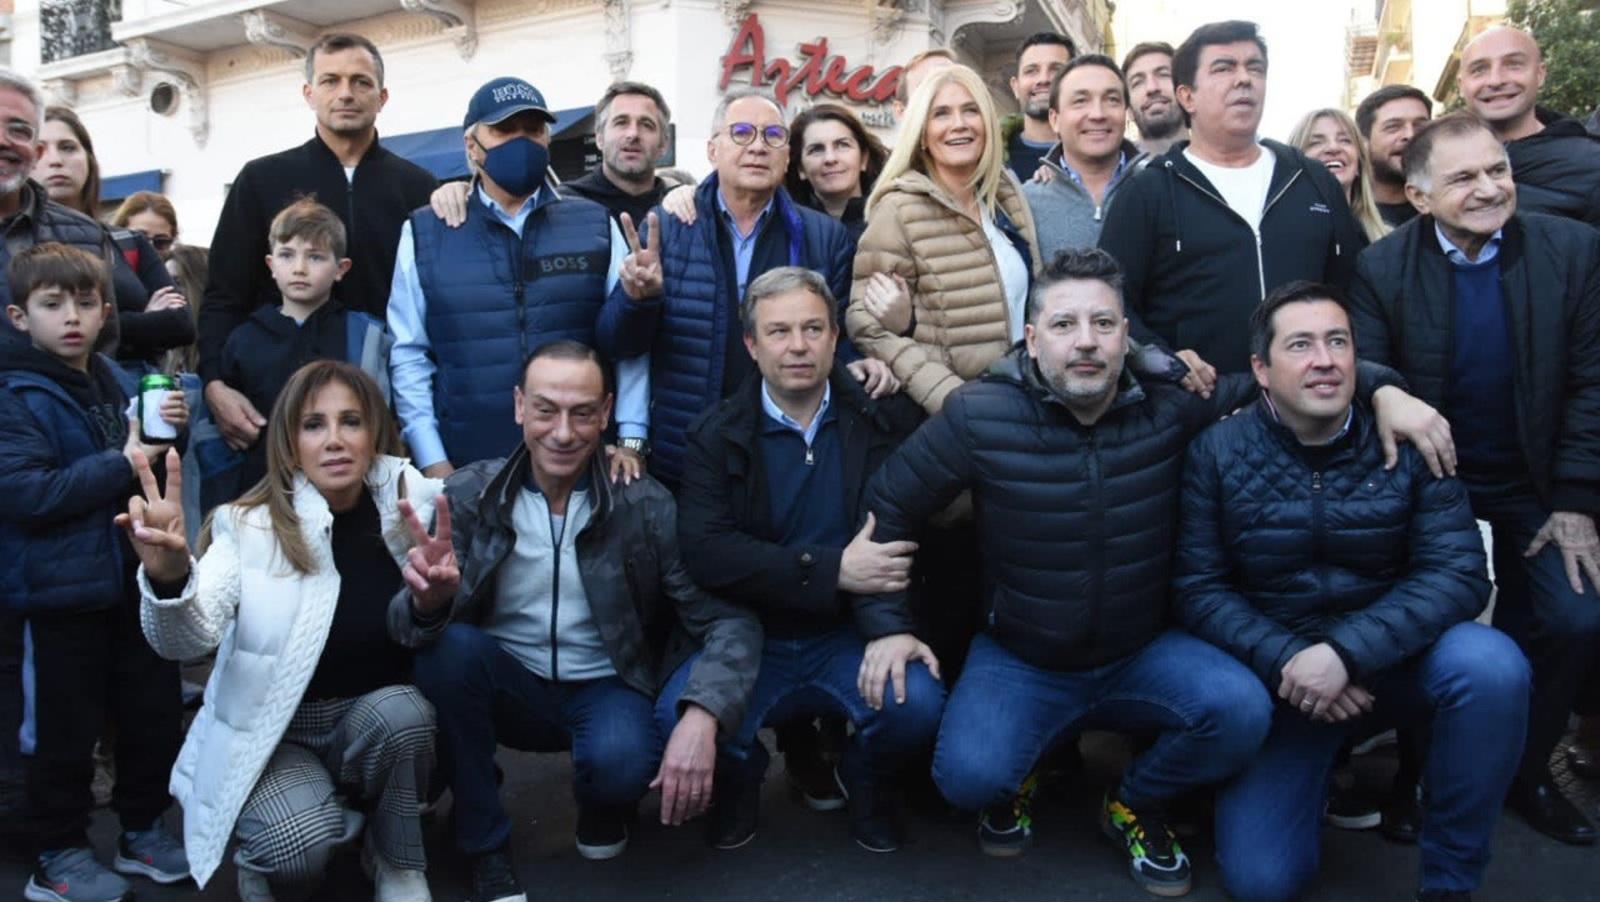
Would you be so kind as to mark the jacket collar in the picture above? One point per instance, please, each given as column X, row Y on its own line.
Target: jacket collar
column 383, row 482
column 320, row 148
column 1132, row 156
column 1019, row 368
column 1351, row 439
column 500, row 492
column 743, row 420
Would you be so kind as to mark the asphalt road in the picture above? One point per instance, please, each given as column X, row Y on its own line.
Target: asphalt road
column 802, row 855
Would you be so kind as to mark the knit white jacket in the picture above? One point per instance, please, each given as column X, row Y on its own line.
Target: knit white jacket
column 268, row 623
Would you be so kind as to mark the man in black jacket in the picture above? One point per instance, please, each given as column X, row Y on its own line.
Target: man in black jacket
column 344, row 167
column 1211, row 227
column 1554, row 159
column 1493, row 315
column 569, row 604
column 769, row 502
column 1074, row 468
column 1340, row 581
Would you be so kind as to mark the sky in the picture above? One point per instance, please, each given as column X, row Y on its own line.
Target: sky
column 1305, row 45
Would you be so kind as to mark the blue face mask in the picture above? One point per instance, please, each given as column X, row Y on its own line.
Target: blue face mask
column 518, row 166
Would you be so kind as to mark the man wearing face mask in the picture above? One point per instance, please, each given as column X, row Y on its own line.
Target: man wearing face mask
column 528, row 266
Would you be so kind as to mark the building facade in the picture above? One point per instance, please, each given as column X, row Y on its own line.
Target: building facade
column 1419, row 42
column 179, row 96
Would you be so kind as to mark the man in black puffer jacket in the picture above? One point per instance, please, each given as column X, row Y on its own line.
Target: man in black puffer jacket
column 1494, row 317
column 1337, row 579
column 1074, row 468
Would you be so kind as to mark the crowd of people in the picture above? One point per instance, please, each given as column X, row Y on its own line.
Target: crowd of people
column 928, row 457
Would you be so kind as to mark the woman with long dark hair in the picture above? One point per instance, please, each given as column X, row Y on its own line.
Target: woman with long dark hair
column 833, row 164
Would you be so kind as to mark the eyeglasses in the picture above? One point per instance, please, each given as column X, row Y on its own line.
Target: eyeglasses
column 159, row 242
column 21, row 131
column 744, row 134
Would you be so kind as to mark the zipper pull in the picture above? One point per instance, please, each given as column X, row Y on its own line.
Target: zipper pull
column 811, row 457
column 1316, row 481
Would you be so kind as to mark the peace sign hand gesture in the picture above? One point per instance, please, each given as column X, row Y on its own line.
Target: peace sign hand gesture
column 155, row 521
column 641, row 269
column 430, row 571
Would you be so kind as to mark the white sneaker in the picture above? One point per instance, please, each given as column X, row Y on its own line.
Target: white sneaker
column 253, row 886
column 392, row 884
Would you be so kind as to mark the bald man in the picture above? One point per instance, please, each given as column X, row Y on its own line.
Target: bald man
column 1555, row 161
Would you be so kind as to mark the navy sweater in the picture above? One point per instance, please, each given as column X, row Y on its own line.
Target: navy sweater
column 1480, row 404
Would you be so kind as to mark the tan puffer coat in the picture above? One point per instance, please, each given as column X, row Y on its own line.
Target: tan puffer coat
column 918, row 231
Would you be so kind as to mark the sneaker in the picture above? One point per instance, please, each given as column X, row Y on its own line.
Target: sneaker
column 154, row 853
column 73, row 875
column 602, row 832
column 1006, row 829
column 810, row 775
column 1348, row 808
column 874, row 815
column 735, row 811
column 253, row 886
column 1155, row 859
column 1402, row 814
column 389, row 883
column 494, row 880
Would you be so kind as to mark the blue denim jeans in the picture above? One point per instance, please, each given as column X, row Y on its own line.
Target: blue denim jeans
column 1471, row 685
column 485, row 698
column 812, row 677
column 1208, row 711
column 1557, row 628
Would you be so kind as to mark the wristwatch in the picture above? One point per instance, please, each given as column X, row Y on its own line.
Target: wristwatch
column 638, row 446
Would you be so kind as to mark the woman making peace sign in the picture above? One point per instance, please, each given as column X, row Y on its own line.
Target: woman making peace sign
column 307, row 706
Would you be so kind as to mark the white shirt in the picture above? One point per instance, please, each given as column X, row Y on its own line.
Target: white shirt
column 1245, row 188
column 1013, row 276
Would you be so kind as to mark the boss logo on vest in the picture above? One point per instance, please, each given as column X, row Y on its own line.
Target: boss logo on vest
column 563, row 264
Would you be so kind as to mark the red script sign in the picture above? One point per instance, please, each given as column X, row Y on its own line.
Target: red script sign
column 817, row 73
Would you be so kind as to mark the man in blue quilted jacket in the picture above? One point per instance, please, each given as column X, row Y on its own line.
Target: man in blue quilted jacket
column 1349, row 587
column 745, row 224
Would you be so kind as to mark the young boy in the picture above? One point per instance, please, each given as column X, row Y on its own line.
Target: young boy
column 306, row 245
column 66, row 469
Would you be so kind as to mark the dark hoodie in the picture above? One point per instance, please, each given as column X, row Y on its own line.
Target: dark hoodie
column 1557, row 170
column 1194, row 270
column 596, row 187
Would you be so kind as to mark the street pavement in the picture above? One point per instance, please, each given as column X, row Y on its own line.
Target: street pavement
column 802, row 855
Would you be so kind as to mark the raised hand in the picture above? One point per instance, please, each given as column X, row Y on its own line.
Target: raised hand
column 641, row 269
column 154, row 521
column 430, row 571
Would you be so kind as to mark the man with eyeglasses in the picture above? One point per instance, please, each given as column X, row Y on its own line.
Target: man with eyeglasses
column 746, row 224
column 528, row 266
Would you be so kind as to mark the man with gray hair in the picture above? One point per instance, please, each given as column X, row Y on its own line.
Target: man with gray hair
column 745, row 224
column 1493, row 316
column 771, row 502
column 528, row 266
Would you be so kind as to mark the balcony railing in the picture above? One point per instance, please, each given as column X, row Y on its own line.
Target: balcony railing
column 70, row 28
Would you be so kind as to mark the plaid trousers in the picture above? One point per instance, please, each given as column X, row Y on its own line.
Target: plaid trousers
column 375, row 752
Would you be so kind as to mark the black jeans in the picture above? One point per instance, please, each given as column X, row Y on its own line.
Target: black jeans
column 86, row 668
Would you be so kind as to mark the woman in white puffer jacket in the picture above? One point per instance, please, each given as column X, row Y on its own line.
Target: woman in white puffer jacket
column 308, row 705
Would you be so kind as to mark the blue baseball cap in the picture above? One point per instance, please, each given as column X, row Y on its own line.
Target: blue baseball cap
column 502, row 98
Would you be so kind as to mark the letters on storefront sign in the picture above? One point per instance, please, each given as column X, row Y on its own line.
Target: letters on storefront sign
column 818, row 72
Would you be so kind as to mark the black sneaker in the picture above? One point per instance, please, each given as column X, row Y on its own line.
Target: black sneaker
column 874, row 815
column 494, row 880
column 1155, row 859
column 1349, row 808
column 1402, row 814
column 1005, row 829
column 810, row 775
column 735, row 810
column 602, row 832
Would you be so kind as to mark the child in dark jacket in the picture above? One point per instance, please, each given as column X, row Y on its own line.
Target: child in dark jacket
column 306, row 255
column 67, row 448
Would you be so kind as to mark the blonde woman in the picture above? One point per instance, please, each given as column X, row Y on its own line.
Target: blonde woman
column 309, row 699
column 942, row 271
column 1329, row 136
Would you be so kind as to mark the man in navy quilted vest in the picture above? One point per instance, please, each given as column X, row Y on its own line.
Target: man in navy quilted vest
column 1349, row 586
column 745, row 224
column 529, row 266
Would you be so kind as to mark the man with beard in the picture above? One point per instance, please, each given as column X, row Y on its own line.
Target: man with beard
column 1554, row 159
column 1217, row 222
column 1388, row 119
column 343, row 166
column 1028, row 136
column 1148, row 69
column 1493, row 315
column 1075, row 467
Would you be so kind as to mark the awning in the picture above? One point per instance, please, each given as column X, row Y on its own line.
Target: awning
column 440, row 150
column 116, row 187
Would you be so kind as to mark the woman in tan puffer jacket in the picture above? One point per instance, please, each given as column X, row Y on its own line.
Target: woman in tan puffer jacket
column 943, row 269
